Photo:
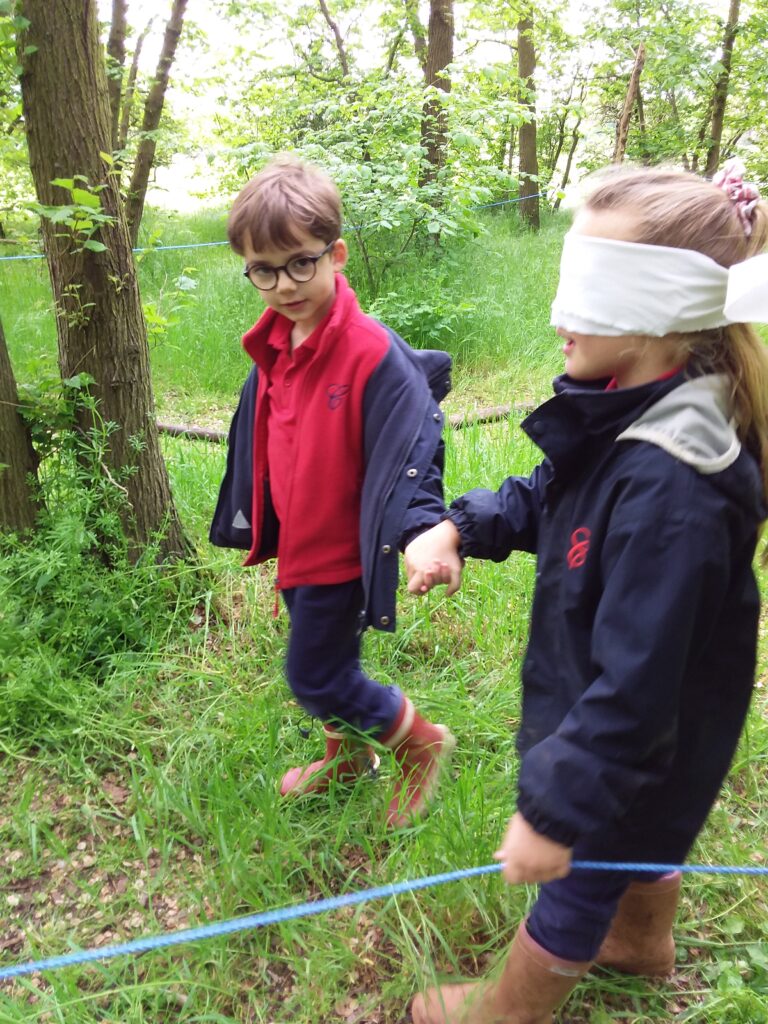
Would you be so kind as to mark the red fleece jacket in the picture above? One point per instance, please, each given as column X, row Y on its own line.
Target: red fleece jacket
column 319, row 540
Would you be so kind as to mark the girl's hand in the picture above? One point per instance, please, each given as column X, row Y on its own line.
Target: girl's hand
column 528, row 856
column 433, row 558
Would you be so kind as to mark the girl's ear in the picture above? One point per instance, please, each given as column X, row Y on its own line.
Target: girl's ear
column 339, row 255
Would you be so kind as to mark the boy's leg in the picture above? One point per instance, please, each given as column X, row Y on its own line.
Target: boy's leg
column 323, row 659
column 422, row 749
column 323, row 670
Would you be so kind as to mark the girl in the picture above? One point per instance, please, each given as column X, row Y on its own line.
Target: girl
column 644, row 516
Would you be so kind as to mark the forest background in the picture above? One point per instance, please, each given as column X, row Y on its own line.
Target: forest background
column 143, row 719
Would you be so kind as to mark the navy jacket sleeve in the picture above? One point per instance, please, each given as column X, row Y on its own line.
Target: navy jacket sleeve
column 492, row 524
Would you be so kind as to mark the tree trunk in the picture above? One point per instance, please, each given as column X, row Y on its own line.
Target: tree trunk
column 529, row 161
column 116, row 50
column 575, row 136
column 439, row 56
column 343, row 59
column 622, row 129
column 720, row 96
column 100, row 323
column 153, row 109
column 646, row 157
column 417, row 31
column 18, row 461
column 130, row 89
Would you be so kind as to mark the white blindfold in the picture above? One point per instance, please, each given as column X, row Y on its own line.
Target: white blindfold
column 608, row 288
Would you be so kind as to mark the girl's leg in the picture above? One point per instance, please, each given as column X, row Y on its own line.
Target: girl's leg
column 621, row 920
column 531, row 985
column 553, row 949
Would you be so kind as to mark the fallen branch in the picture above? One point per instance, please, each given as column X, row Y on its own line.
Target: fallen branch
column 458, row 420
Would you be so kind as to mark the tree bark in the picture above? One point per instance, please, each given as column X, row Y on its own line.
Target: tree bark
column 343, row 59
column 130, row 89
column 622, row 129
column 116, row 50
column 153, row 109
column 529, row 161
column 18, row 462
column 417, row 31
column 439, row 56
column 100, row 323
column 720, row 97
column 575, row 137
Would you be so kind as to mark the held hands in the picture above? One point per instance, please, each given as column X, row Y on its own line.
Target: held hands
column 433, row 558
column 528, row 856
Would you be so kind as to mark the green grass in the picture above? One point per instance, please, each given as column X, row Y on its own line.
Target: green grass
column 142, row 798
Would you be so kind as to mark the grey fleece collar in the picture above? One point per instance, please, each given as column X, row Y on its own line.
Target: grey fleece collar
column 692, row 424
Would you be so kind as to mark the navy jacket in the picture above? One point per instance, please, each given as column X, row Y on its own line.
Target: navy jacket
column 641, row 657
column 402, row 488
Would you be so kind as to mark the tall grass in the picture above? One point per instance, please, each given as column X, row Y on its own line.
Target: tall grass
column 142, row 797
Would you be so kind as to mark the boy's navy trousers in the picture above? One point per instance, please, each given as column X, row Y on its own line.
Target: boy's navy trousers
column 323, row 659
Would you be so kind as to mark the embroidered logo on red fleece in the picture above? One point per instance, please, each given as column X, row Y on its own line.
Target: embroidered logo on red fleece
column 336, row 394
column 577, row 555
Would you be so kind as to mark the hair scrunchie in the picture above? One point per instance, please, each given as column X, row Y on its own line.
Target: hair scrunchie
column 742, row 194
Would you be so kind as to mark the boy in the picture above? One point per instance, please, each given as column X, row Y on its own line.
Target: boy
column 336, row 444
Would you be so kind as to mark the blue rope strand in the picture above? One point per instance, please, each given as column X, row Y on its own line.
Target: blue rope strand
column 315, row 907
column 203, row 245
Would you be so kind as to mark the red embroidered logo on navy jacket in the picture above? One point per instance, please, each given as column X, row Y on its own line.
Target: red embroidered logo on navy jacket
column 577, row 555
column 336, row 393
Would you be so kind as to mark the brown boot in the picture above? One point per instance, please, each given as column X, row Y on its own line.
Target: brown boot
column 345, row 760
column 533, row 983
column 422, row 750
column 640, row 939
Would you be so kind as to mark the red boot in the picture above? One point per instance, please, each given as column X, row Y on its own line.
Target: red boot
column 640, row 939
column 345, row 760
column 532, row 984
column 422, row 750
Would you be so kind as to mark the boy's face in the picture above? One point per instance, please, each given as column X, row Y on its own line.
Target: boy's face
column 305, row 303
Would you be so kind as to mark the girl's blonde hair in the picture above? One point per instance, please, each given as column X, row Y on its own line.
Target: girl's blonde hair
column 682, row 211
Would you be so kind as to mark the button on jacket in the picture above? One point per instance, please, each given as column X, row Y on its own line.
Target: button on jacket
column 641, row 657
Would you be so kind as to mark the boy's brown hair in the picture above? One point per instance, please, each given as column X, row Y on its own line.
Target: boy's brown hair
column 286, row 196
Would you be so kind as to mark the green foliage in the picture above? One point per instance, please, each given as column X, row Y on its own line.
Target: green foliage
column 83, row 216
column 74, row 607
column 683, row 43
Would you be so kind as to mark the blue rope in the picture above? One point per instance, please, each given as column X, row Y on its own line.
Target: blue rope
column 203, row 245
column 241, row 924
column 503, row 202
column 151, row 248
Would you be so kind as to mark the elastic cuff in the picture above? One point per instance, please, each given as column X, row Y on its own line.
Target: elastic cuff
column 558, row 832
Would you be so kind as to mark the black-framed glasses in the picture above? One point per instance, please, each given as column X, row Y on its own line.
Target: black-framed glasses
column 300, row 269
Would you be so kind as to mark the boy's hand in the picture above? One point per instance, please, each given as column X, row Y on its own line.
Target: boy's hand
column 528, row 856
column 433, row 558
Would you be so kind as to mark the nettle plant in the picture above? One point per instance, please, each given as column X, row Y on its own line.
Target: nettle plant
column 83, row 216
